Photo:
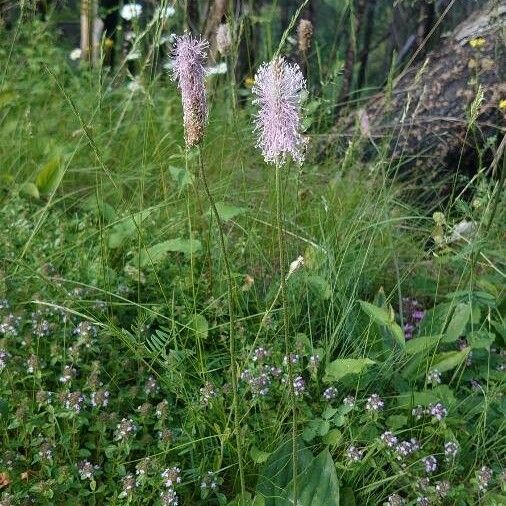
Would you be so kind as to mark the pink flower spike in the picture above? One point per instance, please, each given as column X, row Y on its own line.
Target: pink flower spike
column 189, row 58
column 278, row 88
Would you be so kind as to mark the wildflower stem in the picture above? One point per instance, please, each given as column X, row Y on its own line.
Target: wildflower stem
column 284, row 303
column 232, row 352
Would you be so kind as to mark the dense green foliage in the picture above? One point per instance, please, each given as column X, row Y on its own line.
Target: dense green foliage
column 114, row 337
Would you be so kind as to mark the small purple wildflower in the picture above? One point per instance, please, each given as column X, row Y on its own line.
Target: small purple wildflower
column 299, row 385
column 189, row 58
column 403, row 449
column 389, row 439
column 125, row 429
column 418, row 412
column 73, row 401
column 208, row 393
column 330, row 393
column 415, row 444
column 4, row 357
column 100, row 398
column 292, row 357
column 314, row 361
column 151, row 386
column 171, row 476
column 423, row 501
column 86, row 470
column 68, row 374
column 451, row 449
column 278, row 87
column 169, row 497
column 484, row 476
column 209, row 481
column 395, row 500
column 349, row 400
column 430, row 464
column 260, row 354
column 438, row 411
column 354, row 454
column 374, row 403
column 434, row 377
column 128, row 485
column 442, row 488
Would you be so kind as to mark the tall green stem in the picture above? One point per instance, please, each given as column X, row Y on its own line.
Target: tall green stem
column 232, row 338
column 284, row 303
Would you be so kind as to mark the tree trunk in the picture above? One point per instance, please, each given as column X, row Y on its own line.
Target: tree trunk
column 356, row 14
column 366, row 43
column 193, row 16
column 427, row 13
column 425, row 120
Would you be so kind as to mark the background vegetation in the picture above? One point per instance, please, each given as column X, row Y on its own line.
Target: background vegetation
column 114, row 323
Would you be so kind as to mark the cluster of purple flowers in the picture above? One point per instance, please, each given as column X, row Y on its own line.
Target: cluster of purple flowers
column 171, row 477
column 86, row 470
column 430, row 464
column 413, row 313
column 406, row 448
column 355, row 454
column 437, row 410
column 125, row 429
column 374, row 403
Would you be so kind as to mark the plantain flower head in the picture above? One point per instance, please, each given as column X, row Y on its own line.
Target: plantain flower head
column 223, row 39
column 188, row 70
column 278, row 88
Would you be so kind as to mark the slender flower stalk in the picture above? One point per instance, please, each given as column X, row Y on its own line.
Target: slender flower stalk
column 278, row 88
column 189, row 58
column 189, row 71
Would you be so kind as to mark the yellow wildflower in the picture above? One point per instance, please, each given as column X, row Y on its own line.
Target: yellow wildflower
column 502, row 104
column 477, row 42
column 249, row 82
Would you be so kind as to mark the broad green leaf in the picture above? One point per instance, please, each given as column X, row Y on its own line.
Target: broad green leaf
column 480, row 339
column 458, row 323
column 332, row 437
column 30, row 189
column 435, row 320
column 319, row 286
column 278, row 472
column 181, row 177
column 424, row 343
column 344, row 366
column 442, row 393
column 385, row 318
column 154, row 254
column 49, row 176
column 318, row 484
column 199, row 326
column 347, row 497
column 125, row 228
column 227, row 211
column 449, row 359
column 378, row 314
column 258, row 456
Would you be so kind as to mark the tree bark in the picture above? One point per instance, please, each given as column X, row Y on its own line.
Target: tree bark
column 357, row 14
column 366, row 43
column 425, row 120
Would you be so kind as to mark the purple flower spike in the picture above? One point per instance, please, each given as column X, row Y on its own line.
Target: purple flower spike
column 189, row 58
column 278, row 87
